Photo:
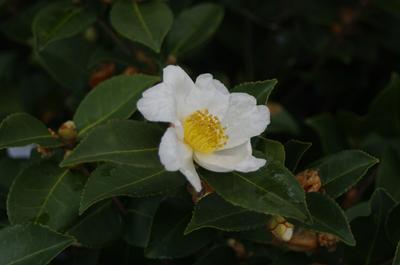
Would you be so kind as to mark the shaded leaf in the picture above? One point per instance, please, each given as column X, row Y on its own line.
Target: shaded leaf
column 45, row 194
column 214, row 212
column 22, row 129
column 340, row 171
column 273, row 150
column 115, row 180
column 30, row 244
column 117, row 141
column 388, row 172
column 392, row 224
column 271, row 190
column 219, row 255
column 281, row 121
column 396, row 259
column 145, row 22
column 193, row 27
column 328, row 217
column 261, row 90
column 60, row 20
column 115, row 98
column 294, row 151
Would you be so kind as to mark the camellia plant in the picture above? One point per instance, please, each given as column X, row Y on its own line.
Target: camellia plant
column 112, row 151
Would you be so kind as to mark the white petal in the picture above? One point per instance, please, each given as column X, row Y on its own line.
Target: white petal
column 250, row 164
column 224, row 160
column 205, row 81
column 176, row 155
column 158, row 104
column 176, row 78
column 244, row 119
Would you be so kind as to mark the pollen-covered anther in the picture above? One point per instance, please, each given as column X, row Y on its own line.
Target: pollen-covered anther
column 204, row 132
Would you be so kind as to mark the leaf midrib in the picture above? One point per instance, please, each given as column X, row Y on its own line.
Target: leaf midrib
column 27, row 139
column 347, row 172
column 142, row 21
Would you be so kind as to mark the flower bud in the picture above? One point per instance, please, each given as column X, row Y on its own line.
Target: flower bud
column 280, row 228
column 309, row 179
column 67, row 131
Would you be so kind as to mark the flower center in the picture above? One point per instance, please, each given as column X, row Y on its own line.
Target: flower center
column 204, row 132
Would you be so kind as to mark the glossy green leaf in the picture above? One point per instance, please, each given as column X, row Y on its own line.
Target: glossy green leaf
column 98, row 226
column 261, row 90
column 392, row 224
column 126, row 142
column 214, row 212
column 340, row 171
column 294, row 151
column 30, row 244
column 144, row 22
column 328, row 217
column 60, row 20
column 270, row 190
column 331, row 137
column 273, row 150
column 167, row 236
column 114, row 98
column 139, row 220
column 115, row 180
column 45, row 194
column 22, row 129
column 193, row 27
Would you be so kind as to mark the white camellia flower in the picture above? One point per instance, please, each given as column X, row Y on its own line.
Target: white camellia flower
column 208, row 124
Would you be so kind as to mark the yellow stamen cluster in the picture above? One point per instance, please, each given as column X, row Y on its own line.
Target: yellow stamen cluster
column 204, row 132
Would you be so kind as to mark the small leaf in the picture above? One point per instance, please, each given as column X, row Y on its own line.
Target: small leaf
column 392, row 224
column 22, row 129
column 214, row 212
column 261, row 90
column 115, row 180
column 139, row 220
column 193, row 27
column 98, row 226
column 147, row 23
column 60, row 20
column 45, row 194
column 328, row 217
column 127, row 142
column 167, row 236
column 273, row 150
column 342, row 170
column 270, row 190
column 115, row 98
column 30, row 244
column 294, row 151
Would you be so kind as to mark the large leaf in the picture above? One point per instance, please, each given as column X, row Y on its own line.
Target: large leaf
column 30, row 244
column 97, row 226
column 342, row 170
column 115, row 98
column 392, row 224
column 294, row 151
column 167, row 236
column 111, row 180
column 22, row 129
column 45, row 194
column 193, row 27
column 127, row 142
column 328, row 217
column 214, row 212
column 147, row 23
column 261, row 90
column 270, row 190
column 60, row 20
column 139, row 220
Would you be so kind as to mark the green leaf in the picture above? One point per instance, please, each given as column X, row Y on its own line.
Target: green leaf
column 22, row 129
column 261, row 90
column 392, row 224
column 147, row 23
column 139, row 220
column 360, row 210
column 388, row 172
column 214, row 212
column 340, row 171
column 167, row 236
column 282, row 122
column 330, row 135
column 294, row 151
column 111, row 180
column 193, row 27
column 60, row 20
column 396, row 259
column 328, row 217
column 273, row 150
column 114, row 98
column 270, row 190
column 98, row 226
column 30, row 244
column 45, row 194
column 126, row 142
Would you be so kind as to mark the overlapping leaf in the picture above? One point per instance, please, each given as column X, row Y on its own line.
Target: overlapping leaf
column 261, row 90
